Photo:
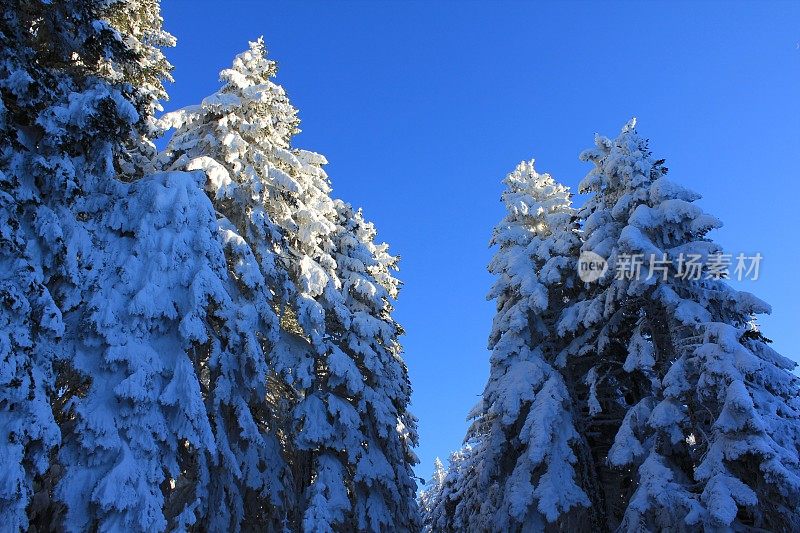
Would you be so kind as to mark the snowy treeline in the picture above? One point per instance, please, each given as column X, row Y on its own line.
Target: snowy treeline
column 200, row 339
column 633, row 403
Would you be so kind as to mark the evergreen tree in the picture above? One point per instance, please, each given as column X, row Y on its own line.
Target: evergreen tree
column 189, row 331
column 335, row 358
column 129, row 400
column 30, row 321
column 160, row 301
column 240, row 138
column 518, row 472
column 606, row 381
column 526, row 402
column 429, row 497
column 680, row 415
column 159, row 341
column 72, row 118
column 440, row 503
column 365, row 385
column 702, row 413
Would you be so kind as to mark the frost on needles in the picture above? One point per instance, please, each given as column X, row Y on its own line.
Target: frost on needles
column 654, row 401
column 200, row 339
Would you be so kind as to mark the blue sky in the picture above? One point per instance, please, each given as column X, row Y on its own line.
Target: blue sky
column 422, row 108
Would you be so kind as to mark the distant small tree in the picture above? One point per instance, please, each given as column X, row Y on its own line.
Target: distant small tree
column 433, row 492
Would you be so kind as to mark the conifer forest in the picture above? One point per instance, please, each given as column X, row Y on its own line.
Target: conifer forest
column 197, row 334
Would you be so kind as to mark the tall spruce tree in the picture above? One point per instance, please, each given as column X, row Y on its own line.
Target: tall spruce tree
column 518, row 471
column 439, row 503
column 129, row 400
column 159, row 320
column 159, row 341
column 364, row 371
column 240, row 138
column 335, row 359
column 167, row 342
column 30, row 321
column 685, row 419
column 526, row 402
column 79, row 83
column 432, row 494
column 709, row 413
column 611, row 370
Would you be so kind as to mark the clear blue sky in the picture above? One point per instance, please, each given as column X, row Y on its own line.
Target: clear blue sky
column 422, row 109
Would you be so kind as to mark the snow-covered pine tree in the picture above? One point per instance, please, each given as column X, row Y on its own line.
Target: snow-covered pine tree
column 73, row 116
column 599, row 321
column 361, row 379
column 129, row 402
column 151, row 315
column 703, row 414
column 29, row 318
column 518, row 472
column 156, row 328
column 337, row 354
column 432, row 493
column 240, row 137
column 438, row 502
